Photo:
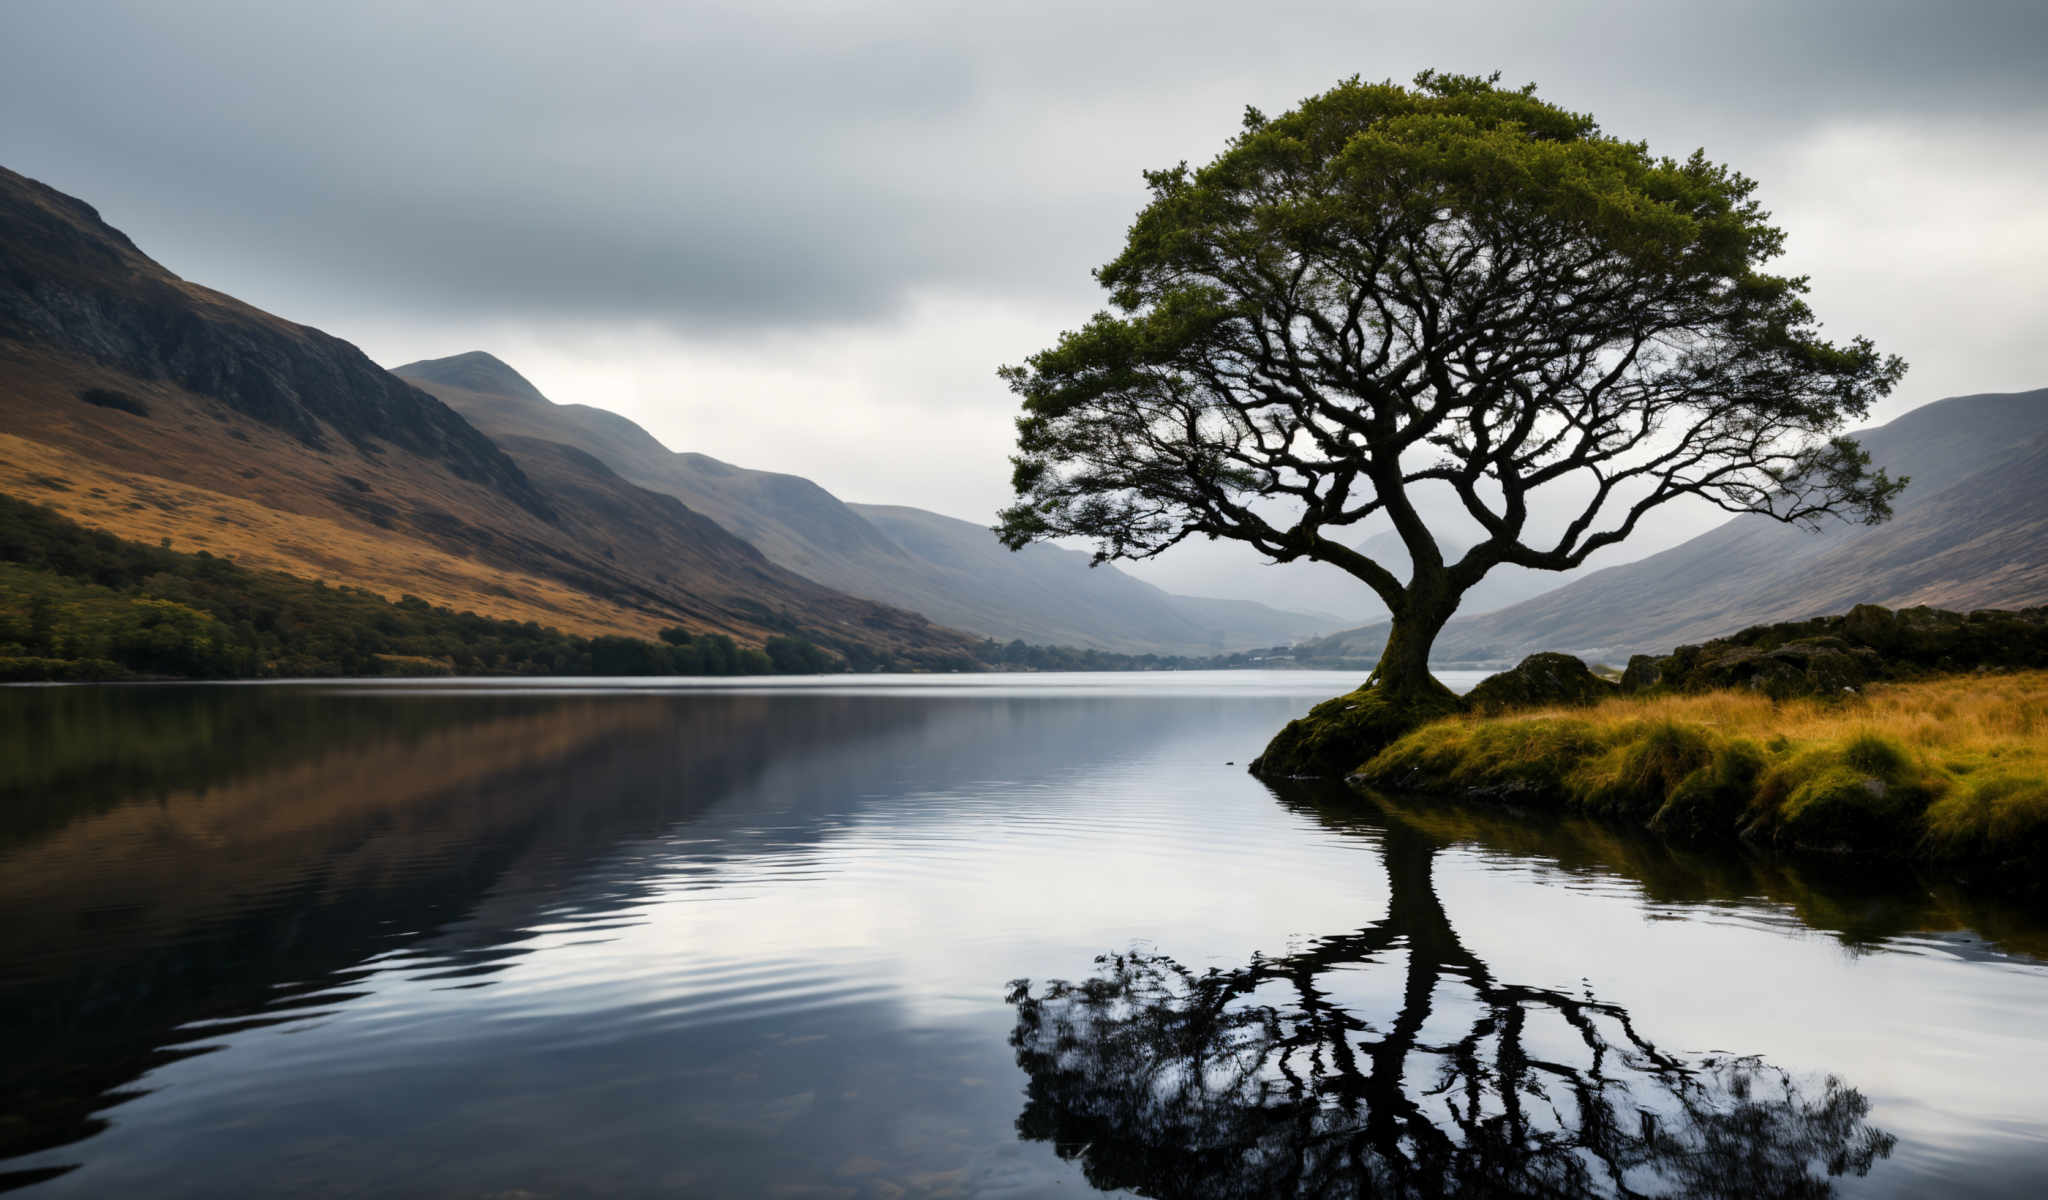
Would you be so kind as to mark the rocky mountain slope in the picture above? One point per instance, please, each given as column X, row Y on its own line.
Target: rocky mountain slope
column 1970, row 532
column 952, row 571
column 134, row 401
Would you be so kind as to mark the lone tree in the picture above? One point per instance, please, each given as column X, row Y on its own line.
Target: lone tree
column 1454, row 297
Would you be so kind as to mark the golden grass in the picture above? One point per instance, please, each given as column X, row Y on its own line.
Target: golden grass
column 1958, row 722
column 149, row 508
column 1948, row 767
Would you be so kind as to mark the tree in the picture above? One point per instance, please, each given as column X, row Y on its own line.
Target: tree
column 1454, row 298
column 1260, row 1081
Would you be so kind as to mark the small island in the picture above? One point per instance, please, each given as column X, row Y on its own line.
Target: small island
column 1913, row 735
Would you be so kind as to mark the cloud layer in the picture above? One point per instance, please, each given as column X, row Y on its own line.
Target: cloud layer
column 787, row 233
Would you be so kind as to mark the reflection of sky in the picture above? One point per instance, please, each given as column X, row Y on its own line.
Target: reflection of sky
column 804, row 981
column 1948, row 1049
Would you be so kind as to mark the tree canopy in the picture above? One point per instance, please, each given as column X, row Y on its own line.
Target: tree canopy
column 1396, row 303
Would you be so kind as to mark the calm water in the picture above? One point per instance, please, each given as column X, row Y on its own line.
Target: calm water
column 970, row 936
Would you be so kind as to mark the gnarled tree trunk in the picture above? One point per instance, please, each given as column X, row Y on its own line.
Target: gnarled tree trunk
column 1402, row 673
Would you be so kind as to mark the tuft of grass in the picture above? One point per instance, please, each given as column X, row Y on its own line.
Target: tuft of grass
column 1523, row 760
column 1640, row 768
column 1951, row 769
column 1998, row 816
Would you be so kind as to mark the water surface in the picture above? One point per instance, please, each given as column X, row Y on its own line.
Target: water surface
column 974, row 935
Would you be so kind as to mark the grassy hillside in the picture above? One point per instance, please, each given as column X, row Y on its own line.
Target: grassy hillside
column 950, row 570
column 83, row 604
column 1046, row 592
column 149, row 407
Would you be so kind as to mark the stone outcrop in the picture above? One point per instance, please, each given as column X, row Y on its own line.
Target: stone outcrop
column 1826, row 655
column 1540, row 681
column 1340, row 734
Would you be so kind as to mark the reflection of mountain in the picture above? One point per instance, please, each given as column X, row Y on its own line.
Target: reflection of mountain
column 202, row 860
column 369, row 845
column 1266, row 1081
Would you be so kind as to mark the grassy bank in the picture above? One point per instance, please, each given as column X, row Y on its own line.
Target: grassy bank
column 1951, row 770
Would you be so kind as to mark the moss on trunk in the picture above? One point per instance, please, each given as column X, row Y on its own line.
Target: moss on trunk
column 1339, row 735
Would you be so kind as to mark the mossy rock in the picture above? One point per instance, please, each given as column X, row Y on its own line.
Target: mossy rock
column 1540, row 681
column 1339, row 735
column 1866, row 796
column 1644, row 671
column 1841, row 808
column 1708, row 803
column 1826, row 655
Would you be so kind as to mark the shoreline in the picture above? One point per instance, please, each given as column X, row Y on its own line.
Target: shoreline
column 1947, row 774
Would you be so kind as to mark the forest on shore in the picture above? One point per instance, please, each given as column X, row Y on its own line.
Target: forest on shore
column 78, row 604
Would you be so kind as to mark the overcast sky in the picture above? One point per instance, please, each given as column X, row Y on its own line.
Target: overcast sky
column 803, row 236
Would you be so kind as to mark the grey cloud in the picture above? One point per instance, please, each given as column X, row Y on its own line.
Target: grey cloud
column 708, row 168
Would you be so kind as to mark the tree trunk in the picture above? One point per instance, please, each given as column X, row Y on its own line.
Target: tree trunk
column 1403, row 669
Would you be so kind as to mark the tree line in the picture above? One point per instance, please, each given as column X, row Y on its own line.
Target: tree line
column 82, row 604
column 78, row 603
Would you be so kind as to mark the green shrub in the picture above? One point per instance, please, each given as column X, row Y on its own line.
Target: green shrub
column 1708, row 802
column 1642, row 769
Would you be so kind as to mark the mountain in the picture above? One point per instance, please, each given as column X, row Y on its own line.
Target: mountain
column 953, row 571
column 1041, row 590
column 156, row 409
column 1970, row 531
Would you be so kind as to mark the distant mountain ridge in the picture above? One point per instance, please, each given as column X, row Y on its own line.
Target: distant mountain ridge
column 953, row 571
column 1970, row 532
column 71, row 283
column 155, row 409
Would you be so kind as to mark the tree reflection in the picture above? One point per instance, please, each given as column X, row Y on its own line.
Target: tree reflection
column 1262, row 1081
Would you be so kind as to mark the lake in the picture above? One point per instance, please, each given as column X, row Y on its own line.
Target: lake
column 939, row 936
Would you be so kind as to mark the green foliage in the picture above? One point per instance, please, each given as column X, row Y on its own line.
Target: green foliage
column 793, row 656
column 1644, row 767
column 80, row 604
column 2002, row 818
column 83, row 604
column 1021, row 656
column 1453, row 286
column 1866, row 794
column 1526, row 762
column 1709, row 801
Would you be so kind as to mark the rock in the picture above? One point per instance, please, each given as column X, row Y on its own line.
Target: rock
column 1339, row 735
column 1540, row 681
column 1828, row 655
column 1872, row 625
column 1644, row 672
